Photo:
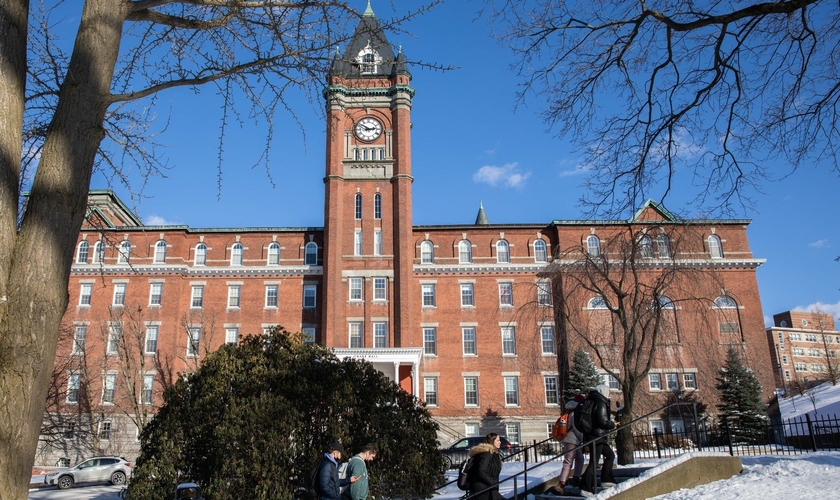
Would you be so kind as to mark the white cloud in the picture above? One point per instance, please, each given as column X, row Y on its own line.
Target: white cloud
column 156, row 220
column 832, row 309
column 683, row 146
column 819, row 244
column 506, row 176
column 579, row 169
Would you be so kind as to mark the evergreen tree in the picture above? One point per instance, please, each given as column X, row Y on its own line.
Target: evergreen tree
column 256, row 416
column 583, row 375
column 740, row 405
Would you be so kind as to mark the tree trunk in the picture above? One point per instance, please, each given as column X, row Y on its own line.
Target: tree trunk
column 624, row 439
column 36, row 261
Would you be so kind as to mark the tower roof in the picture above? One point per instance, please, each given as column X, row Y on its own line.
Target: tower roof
column 369, row 53
column 481, row 218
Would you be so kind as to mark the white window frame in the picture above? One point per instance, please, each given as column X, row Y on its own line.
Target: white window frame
column 544, row 293
column 79, row 339
column 74, row 388
column 380, row 334
column 357, row 242
column 506, row 294
column 193, row 341
column 663, row 246
column 147, row 393
column 119, row 295
column 511, row 385
column 109, row 388
column 593, row 246
column 654, row 381
column 234, row 296
column 547, row 341
column 200, row 257
column 356, row 335
column 469, row 342
column 114, row 337
column 430, row 391
column 508, row 340
column 380, row 288
column 85, row 294
column 429, row 341
column 272, row 296
column 232, row 335
column 467, row 295
column 672, row 382
column 540, row 251
column 310, row 296
column 160, row 252
column 689, row 381
column 308, row 334
column 273, row 258
column 356, row 291
column 197, row 297
column 715, row 246
column 502, row 252
column 377, row 242
column 471, row 391
column 310, row 254
column 82, row 252
column 151, row 340
column 427, row 252
column 428, row 297
column 124, row 252
column 155, row 299
column 552, row 393
column 237, row 254
column 98, row 252
column 464, row 252
column 646, row 247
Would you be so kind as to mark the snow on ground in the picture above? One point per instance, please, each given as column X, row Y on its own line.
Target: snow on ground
column 826, row 399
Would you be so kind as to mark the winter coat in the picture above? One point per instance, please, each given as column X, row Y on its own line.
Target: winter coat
column 601, row 415
column 328, row 482
column 573, row 436
column 485, row 471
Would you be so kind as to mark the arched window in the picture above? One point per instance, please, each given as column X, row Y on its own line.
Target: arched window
column 665, row 303
column 540, row 253
column 377, row 206
column 124, row 253
column 82, row 253
column 646, row 247
column 358, row 206
column 160, row 252
column 593, row 246
column 502, row 251
column 274, row 254
column 597, row 303
column 236, row 254
column 725, row 302
column 663, row 246
column 427, row 252
column 99, row 252
column 464, row 252
column 311, row 254
column 715, row 250
column 200, row 254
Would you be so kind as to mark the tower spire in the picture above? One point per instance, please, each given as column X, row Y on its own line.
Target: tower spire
column 369, row 11
column 481, row 218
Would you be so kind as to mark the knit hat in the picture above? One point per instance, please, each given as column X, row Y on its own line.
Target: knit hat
column 579, row 398
column 336, row 446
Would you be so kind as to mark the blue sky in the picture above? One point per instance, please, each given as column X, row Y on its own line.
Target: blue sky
column 469, row 144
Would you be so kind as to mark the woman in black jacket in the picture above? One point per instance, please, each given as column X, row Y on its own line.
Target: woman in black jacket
column 486, row 468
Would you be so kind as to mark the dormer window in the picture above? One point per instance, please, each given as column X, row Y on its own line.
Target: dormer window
column 368, row 60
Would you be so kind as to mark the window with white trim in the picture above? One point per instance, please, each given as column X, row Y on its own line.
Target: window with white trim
column 505, row 294
column 200, row 255
column 82, row 252
column 308, row 334
column 464, row 252
column 467, row 297
column 98, row 252
column 74, row 384
column 124, row 253
column 508, row 341
column 428, row 294
column 193, row 340
column 114, row 337
column 427, row 252
column 610, row 381
column 593, row 246
column 160, row 252
column 470, row 391
column 468, row 340
column 356, row 285
column 85, row 293
column 502, row 252
column 234, row 296
column 236, row 252
column 311, row 254
column 471, row 429
column 380, row 334
column 654, row 382
column 547, row 340
column 109, row 386
column 231, row 335
column 544, row 293
column 672, row 382
column 197, row 297
column 513, row 432
column 119, row 294
column 150, row 345
column 540, row 253
column 715, row 248
column 272, row 293
column 310, row 296
column 646, row 247
column 357, row 242
column 430, row 391
column 377, row 242
column 511, row 391
column 79, row 339
column 155, row 294
column 725, row 302
column 430, row 341
column 380, row 292
column 663, row 246
column 689, row 381
column 148, row 387
column 273, row 254
column 105, row 430
column 551, row 393
column 355, row 334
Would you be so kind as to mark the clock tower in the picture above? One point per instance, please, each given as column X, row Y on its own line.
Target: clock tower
column 368, row 248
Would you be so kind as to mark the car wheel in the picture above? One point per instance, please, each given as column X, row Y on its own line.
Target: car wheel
column 447, row 463
column 118, row 478
column 65, row 482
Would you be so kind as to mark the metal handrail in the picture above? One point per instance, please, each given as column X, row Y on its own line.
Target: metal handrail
column 525, row 470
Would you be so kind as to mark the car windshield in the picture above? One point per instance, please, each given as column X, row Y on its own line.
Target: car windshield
column 86, row 464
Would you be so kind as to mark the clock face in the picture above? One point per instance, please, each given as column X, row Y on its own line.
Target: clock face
column 368, row 129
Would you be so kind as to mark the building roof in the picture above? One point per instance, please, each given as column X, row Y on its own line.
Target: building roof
column 481, row 218
column 369, row 38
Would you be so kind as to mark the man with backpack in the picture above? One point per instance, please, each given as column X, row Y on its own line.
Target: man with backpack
column 327, row 483
column 572, row 451
column 592, row 418
column 356, row 468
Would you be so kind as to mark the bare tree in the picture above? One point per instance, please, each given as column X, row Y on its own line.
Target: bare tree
column 58, row 108
column 829, row 355
column 618, row 301
column 647, row 89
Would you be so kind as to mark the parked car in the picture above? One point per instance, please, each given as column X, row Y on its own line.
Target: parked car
column 460, row 450
column 115, row 470
column 188, row 491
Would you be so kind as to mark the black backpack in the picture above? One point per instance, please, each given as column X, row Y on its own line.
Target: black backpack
column 312, row 487
column 464, row 474
column 583, row 416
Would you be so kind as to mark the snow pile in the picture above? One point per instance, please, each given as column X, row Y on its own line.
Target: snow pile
column 826, row 398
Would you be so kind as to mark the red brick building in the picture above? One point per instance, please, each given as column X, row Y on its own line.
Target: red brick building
column 804, row 348
column 459, row 315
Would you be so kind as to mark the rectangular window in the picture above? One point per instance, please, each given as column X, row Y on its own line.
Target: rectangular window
column 430, row 341
column 377, row 198
column 513, row 432
column 543, row 293
column 114, row 336
column 505, row 294
column 671, row 381
column 105, row 430
column 357, row 242
column 471, row 429
column 784, row 359
column 271, row 295
column 689, row 381
column 508, row 340
column 155, row 294
column 380, row 335
column 79, row 338
column 468, row 334
column 512, row 391
column 85, row 293
column 551, row 396
column 119, row 294
column 355, row 335
column 471, row 391
column 654, row 381
column 356, row 288
column 197, row 297
column 467, row 297
column 193, row 339
column 377, row 242
column 379, row 290
column 428, row 295
column 109, row 385
column 231, row 336
column 611, row 381
column 234, row 292
column 308, row 334
column 430, row 391
column 547, row 338
column 150, row 345
column 810, row 337
column 74, row 383
column 309, row 296
column 148, row 386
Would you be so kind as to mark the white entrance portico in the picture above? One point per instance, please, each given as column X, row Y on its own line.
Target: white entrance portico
column 398, row 364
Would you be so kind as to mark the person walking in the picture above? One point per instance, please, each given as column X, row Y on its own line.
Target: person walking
column 599, row 399
column 357, row 468
column 486, row 467
column 572, row 451
column 328, row 485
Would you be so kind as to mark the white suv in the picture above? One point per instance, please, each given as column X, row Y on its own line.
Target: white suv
column 115, row 470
